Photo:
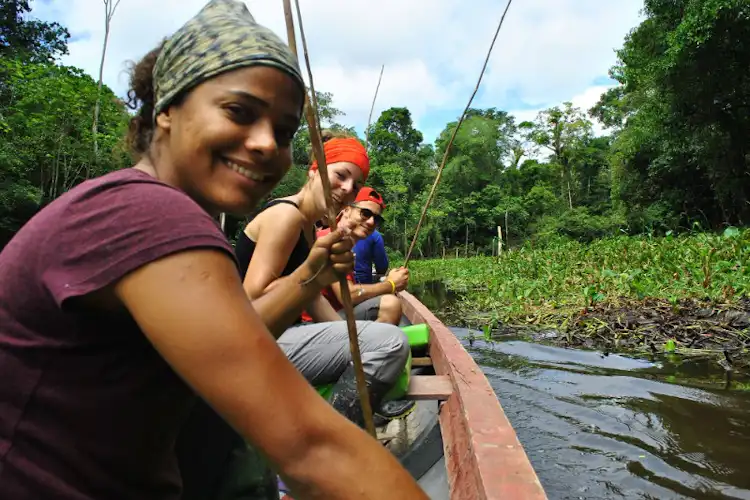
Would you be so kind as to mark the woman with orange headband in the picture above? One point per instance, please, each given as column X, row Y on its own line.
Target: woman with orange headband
column 278, row 240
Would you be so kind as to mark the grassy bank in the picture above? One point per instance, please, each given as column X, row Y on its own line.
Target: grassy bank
column 629, row 292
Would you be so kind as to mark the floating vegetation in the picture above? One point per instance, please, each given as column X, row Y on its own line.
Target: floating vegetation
column 677, row 294
column 690, row 327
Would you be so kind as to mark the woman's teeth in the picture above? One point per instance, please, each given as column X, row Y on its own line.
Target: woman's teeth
column 247, row 173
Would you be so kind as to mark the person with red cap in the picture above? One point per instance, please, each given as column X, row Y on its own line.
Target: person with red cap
column 372, row 302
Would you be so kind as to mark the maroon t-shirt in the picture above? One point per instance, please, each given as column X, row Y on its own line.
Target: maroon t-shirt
column 88, row 408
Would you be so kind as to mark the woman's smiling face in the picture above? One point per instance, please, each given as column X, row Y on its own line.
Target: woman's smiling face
column 228, row 141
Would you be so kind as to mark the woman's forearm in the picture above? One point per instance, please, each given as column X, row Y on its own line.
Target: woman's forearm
column 346, row 453
column 284, row 300
column 370, row 291
column 322, row 311
column 367, row 291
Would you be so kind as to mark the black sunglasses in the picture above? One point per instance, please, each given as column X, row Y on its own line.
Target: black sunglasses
column 367, row 213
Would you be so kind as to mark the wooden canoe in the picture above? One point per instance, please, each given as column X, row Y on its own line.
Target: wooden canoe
column 480, row 457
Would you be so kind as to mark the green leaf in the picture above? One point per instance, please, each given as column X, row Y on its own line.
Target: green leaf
column 670, row 346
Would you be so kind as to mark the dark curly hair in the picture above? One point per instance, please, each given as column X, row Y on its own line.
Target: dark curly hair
column 141, row 97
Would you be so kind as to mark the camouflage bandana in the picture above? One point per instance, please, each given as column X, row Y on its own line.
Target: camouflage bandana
column 222, row 37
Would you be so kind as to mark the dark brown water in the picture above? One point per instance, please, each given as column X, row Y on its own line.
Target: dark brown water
column 599, row 426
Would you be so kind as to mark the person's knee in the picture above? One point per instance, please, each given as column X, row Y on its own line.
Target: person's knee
column 388, row 339
column 384, row 348
column 390, row 305
column 398, row 343
column 398, row 353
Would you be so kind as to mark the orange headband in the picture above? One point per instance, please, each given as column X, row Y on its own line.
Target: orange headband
column 345, row 149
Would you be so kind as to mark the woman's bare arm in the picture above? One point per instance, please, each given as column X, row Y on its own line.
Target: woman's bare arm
column 277, row 234
column 320, row 310
column 368, row 291
column 284, row 300
column 192, row 307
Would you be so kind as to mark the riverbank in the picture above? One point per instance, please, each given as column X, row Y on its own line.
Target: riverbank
column 683, row 294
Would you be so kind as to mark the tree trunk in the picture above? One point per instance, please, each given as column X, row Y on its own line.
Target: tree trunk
column 467, row 241
column 109, row 12
column 507, row 233
column 406, row 246
column 570, row 194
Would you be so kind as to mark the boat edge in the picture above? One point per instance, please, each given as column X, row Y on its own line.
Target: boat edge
column 483, row 457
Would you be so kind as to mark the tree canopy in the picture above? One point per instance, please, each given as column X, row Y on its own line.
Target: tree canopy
column 675, row 154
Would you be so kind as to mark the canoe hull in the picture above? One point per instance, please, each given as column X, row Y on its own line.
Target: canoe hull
column 483, row 457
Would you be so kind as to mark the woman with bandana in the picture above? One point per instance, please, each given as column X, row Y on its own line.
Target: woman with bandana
column 121, row 299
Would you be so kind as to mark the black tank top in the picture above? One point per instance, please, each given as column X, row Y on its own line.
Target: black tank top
column 245, row 247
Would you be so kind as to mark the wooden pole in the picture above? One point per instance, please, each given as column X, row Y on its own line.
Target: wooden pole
column 405, row 236
column 453, row 136
column 466, row 243
column 311, row 113
column 499, row 240
column 369, row 119
column 506, row 225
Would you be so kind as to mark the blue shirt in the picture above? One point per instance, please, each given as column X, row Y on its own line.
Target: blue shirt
column 368, row 251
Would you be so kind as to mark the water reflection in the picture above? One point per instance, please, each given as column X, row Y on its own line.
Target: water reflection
column 613, row 427
column 434, row 294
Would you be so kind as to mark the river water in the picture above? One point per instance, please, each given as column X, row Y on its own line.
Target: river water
column 598, row 426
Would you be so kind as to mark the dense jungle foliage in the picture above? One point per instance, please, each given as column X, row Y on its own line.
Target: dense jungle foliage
column 675, row 158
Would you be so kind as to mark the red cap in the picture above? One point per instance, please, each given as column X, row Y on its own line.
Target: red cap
column 369, row 194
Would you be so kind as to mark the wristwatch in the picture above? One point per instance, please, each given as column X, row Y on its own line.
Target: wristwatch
column 360, row 291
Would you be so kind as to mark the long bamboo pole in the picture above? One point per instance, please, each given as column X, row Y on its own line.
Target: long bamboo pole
column 372, row 107
column 312, row 115
column 453, row 136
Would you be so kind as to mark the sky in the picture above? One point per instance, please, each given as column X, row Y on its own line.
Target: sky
column 548, row 51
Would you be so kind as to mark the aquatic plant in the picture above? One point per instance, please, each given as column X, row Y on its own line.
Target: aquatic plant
column 585, row 290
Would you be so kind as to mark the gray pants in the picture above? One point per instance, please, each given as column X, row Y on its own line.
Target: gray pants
column 320, row 351
column 365, row 311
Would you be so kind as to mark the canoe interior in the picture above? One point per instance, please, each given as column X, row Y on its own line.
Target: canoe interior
column 434, row 482
column 423, row 457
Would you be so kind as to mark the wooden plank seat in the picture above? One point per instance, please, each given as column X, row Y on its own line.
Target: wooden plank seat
column 426, row 387
column 425, row 361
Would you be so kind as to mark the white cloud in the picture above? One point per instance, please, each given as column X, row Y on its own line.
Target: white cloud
column 548, row 51
column 584, row 101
